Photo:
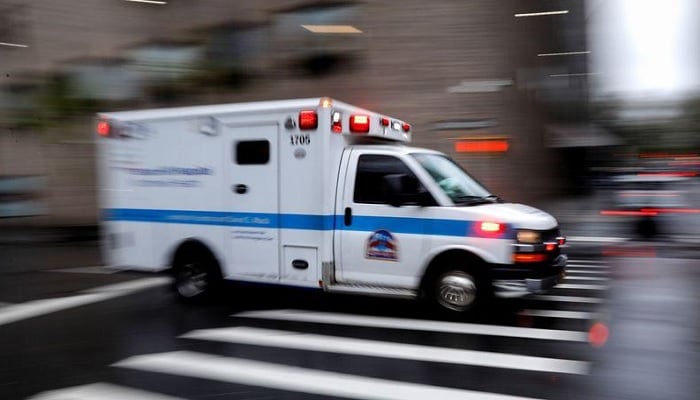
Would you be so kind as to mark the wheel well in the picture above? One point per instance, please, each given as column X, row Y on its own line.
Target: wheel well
column 194, row 247
column 447, row 259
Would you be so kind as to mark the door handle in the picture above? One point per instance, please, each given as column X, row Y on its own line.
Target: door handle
column 240, row 188
column 348, row 216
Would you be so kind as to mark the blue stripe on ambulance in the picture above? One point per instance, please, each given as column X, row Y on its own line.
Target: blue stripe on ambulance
column 424, row 226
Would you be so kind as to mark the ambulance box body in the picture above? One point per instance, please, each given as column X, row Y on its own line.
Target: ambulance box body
column 313, row 193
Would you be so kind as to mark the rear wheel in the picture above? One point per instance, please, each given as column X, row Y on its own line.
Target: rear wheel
column 197, row 275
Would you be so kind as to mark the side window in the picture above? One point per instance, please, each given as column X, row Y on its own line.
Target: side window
column 369, row 181
column 252, row 152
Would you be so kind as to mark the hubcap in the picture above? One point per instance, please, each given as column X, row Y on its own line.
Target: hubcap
column 456, row 290
column 192, row 281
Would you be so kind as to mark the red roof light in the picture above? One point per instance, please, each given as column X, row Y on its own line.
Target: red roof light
column 308, row 120
column 359, row 123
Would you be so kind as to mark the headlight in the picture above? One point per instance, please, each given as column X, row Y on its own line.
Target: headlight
column 529, row 237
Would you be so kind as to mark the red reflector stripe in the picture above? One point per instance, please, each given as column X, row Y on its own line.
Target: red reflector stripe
column 481, row 146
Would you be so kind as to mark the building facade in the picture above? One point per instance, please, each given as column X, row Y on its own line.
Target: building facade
column 475, row 80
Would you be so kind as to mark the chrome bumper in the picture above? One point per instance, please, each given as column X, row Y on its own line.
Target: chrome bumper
column 522, row 287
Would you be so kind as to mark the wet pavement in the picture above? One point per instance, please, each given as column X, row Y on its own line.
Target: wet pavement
column 140, row 342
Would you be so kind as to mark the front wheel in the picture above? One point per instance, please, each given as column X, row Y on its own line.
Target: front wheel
column 457, row 292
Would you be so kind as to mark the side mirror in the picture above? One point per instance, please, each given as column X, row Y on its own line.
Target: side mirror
column 405, row 189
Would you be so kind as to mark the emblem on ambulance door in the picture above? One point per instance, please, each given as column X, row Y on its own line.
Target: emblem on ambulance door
column 381, row 245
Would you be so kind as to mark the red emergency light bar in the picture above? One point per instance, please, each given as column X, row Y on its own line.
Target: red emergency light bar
column 359, row 123
column 308, row 120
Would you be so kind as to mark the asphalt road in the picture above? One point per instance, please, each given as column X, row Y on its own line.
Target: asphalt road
column 87, row 333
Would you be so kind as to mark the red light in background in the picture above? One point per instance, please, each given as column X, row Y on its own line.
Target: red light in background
column 384, row 121
column 667, row 155
column 406, row 127
column 671, row 210
column 598, row 334
column 481, row 146
column 681, row 174
column 619, row 213
column 550, row 246
column 103, row 128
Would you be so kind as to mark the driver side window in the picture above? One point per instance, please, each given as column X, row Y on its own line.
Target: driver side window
column 370, row 186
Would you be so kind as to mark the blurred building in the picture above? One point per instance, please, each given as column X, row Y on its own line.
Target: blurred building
column 492, row 83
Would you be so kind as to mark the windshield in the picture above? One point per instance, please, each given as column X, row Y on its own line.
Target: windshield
column 453, row 180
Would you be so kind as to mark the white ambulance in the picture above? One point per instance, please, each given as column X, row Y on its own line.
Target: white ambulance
column 312, row 193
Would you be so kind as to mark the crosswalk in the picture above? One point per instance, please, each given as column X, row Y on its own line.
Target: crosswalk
column 360, row 356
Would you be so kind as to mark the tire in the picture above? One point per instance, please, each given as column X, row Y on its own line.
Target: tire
column 197, row 276
column 458, row 292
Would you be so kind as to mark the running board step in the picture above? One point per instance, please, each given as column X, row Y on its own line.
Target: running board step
column 371, row 290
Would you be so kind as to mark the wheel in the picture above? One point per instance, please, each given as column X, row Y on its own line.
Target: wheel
column 457, row 292
column 197, row 275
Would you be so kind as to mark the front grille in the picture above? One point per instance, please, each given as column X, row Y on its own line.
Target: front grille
column 550, row 235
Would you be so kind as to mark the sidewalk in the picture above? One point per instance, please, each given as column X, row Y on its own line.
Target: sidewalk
column 18, row 235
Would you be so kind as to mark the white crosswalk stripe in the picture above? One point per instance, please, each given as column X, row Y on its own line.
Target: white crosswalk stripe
column 586, row 278
column 580, row 286
column 586, row 271
column 585, row 261
column 100, row 391
column 305, row 341
column 594, row 266
column 302, row 338
column 324, row 383
column 567, row 299
column 415, row 324
column 558, row 314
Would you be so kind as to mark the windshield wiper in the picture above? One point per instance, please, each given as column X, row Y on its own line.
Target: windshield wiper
column 494, row 198
column 468, row 200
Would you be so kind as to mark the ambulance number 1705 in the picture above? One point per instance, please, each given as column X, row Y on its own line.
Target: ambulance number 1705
column 300, row 140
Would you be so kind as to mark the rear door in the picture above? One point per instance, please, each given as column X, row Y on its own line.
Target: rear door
column 251, row 185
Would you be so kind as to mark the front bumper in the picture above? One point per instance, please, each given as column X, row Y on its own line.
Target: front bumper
column 516, row 281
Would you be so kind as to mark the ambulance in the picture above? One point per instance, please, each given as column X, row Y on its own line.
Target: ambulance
column 311, row 193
